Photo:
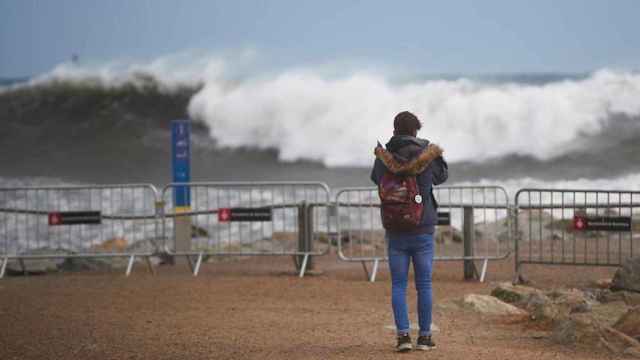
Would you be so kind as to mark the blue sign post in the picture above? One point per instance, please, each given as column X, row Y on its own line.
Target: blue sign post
column 181, row 162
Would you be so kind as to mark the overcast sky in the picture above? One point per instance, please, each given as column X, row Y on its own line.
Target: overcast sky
column 426, row 36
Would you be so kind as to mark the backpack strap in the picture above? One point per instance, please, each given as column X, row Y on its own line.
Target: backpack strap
column 412, row 167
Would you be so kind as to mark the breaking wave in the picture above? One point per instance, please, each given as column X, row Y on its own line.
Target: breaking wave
column 337, row 121
column 335, row 117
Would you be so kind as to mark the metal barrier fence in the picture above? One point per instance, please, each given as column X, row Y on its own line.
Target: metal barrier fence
column 576, row 227
column 298, row 219
column 248, row 219
column 63, row 222
column 474, row 223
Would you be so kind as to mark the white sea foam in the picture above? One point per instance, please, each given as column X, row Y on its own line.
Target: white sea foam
column 337, row 121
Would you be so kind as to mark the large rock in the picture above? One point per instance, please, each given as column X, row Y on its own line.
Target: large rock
column 609, row 313
column 197, row 232
column 632, row 299
column 628, row 276
column 151, row 246
column 448, row 234
column 583, row 329
column 113, row 245
column 534, row 219
column 629, row 323
column 37, row 266
column 573, row 300
column 558, row 304
column 66, row 263
column 109, row 263
column 601, row 284
column 92, row 264
column 514, row 294
column 542, row 308
column 632, row 352
column 578, row 328
column 489, row 305
column 629, row 298
column 618, row 342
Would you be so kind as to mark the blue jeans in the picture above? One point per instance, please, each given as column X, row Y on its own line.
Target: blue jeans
column 402, row 249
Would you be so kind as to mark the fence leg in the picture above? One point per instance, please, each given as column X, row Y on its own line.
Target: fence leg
column 305, row 234
column 484, row 270
column 470, row 271
column 182, row 233
column 309, row 235
column 190, row 262
column 196, row 270
column 375, row 270
column 4, row 266
column 303, row 267
column 150, row 266
column 516, row 237
column 366, row 271
column 130, row 265
column 518, row 279
column 24, row 268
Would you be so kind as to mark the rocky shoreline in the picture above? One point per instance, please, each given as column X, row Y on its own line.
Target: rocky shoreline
column 605, row 315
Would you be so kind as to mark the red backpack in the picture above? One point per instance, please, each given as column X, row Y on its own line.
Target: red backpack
column 400, row 199
column 401, row 202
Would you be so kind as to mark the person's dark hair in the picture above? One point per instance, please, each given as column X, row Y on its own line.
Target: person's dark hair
column 405, row 123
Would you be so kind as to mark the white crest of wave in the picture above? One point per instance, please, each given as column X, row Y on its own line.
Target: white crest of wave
column 171, row 72
column 338, row 120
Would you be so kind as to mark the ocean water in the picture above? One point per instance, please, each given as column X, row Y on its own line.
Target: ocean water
column 110, row 123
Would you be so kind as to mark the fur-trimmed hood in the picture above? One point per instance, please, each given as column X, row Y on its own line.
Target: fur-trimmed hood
column 413, row 166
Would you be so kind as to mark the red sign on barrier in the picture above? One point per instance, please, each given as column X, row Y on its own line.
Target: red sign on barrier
column 224, row 215
column 244, row 214
column 601, row 223
column 54, row 219
column 74, row 218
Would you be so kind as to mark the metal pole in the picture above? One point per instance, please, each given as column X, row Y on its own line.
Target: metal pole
column 366, row 271
column 515, row 233
column 23, row 267
column 470, row 271
column 190, row 262
column 302, row 234
column 182, row 234
column 309, row 234
column 150, row 266
column 305, row 237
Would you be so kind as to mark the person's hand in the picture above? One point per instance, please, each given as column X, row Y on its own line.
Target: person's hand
column 378, row 148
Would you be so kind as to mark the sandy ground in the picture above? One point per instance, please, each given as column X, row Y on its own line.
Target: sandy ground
column 257, row 309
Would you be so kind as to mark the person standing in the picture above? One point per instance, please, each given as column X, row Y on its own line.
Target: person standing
column 408, row 155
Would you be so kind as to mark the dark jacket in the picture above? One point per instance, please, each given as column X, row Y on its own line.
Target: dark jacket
column 405, row 148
